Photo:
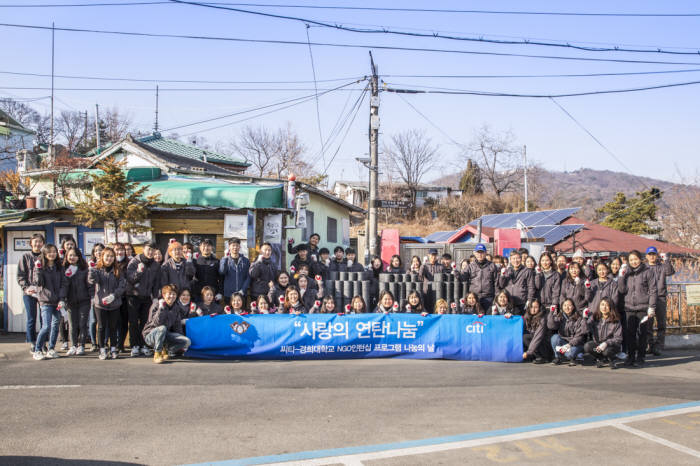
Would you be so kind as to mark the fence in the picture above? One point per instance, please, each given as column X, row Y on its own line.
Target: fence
column 680, row 316
column 459, row 251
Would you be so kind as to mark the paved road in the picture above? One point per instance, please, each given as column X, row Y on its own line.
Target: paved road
column 131, row 411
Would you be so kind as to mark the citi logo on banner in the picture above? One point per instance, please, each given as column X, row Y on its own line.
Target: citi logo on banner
column 476, row 327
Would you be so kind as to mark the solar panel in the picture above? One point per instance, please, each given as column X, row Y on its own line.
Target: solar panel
column 530, row 219
column 552, row 234
column 440, row 236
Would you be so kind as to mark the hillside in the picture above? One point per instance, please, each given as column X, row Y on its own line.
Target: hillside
column 585, row 187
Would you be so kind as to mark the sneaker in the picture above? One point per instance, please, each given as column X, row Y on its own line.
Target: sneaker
column 31, row 349
column 572, row 362
column 556, row 361
column 135, row 351
column 621, row 355
column 115, row 353
column 80, row 351
column 146, row 351
column 103, row 354
column 72, row 351
column 94, row 348
column 64, row 346
column 158, row 357
column 538, row 361
column 52, row 354
column 599, row 363
column 38, row 356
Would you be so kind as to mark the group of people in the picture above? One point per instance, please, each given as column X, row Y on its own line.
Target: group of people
column 569, row 308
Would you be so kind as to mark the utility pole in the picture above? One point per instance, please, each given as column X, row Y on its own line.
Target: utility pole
column 374, row 158
column 53, row 33
column 97, row 128
column 155, row 127
column 525, row 171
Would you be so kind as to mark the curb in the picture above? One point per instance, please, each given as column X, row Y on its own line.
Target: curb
column 689, row 341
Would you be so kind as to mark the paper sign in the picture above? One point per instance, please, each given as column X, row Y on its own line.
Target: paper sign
column 236, row 226
column 124, row 237
column 272, row 229
column 692, row 295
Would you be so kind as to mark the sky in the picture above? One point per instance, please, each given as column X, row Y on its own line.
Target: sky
column 651, row 133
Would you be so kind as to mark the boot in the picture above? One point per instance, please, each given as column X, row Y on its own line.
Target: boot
column 164, row 355
column 157, row 357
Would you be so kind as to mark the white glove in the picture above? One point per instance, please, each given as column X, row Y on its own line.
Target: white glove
column 577, row 280
column 651, row 312
column 218, row 297
column 314, row 258
column 586, row 312
column 140, row 267
column 349, row 263
column 663, row 256
column 602, row 347
column 64, row 314
column 92, row 264
column 61, row 305
column 37, row 264
column 161, row 303
column 259, row 258
column 503, row 271
column 70, row 271
column 327, row 262
column 188, row 256
column 109, row 299
column 507, row 315
column 623, row 269
column 494, row 310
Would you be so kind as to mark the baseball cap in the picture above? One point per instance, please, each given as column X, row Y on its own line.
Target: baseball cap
column 432, row 251
column 652, row 250
column 480, row 247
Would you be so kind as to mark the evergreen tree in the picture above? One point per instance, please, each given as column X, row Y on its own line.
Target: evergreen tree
column 470, row 183
column 632, row 215
column 115, row 200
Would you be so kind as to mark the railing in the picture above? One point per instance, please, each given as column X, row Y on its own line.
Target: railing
column 679, row 316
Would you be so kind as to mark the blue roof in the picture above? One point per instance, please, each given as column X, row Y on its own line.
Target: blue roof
column 552, row 234
column 440, row 236
column 529, row 219
column 417, row 239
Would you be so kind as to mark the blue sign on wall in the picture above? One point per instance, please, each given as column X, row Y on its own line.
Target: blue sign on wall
column 331, row 336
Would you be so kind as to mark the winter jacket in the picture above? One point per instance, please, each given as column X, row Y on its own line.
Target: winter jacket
column 575, row 292
column 163, row 315
column 273, row 295
column 235, row 274
column 600, row 290
column 51, row 284
column 537, row 326
column 639, row 287
column 548, row 285
column 338, row 266
column 382, row 310
column 605, row 331
column 355, row 267
column 395, row 270
column 482, row 278
column 662, row 270
column 262, row 272
column 297, row 263
column 144, row 284
column 105, row 283
column 181, row 274
column 206, row 274
column 520, row 284
column 466, row 309
column 322, row 269
column 428, row 271
column 25, row 268
column 78, row 290
column 298, row 308
column 213, row 308
column 310, row 296
column 313, row 250
column 572, row 329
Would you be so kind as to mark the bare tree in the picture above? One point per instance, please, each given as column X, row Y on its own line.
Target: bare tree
column 20, row 112
column 410, row 155
column 499, row 158
column 289, row 158
column 680, row 222
column 259, row 147
column 71, row 128
column 116, row 124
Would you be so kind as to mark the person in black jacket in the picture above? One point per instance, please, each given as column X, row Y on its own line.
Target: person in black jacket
column 395, row 265
column 50, row 284
column 574, row 287
column 163, row 331
column 571, row 330
column 302, row 258
column 547, row 283
column 24, row 280
column 427, row 274
column 323, row 263
column 482, row 277
column 606, row 333
column 206, row 270
column 535, row 333
column 262, row 271
column 337, row 263
column 661, row 268
column 109, row 286
column 639, row 286
column 519, row 282
column 351, row 263
column 78, row 296
column 312, row 247
column 143, row 284
column 178, row 269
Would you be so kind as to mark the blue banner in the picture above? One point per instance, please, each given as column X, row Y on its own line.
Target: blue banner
column 331, row 336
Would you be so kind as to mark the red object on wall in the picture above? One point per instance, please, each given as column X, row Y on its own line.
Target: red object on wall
column 506, row 238
column 390, row 244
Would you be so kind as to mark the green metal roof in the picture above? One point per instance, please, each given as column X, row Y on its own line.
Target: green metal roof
column 210, row 193
column 132, row 174
column 172, row 146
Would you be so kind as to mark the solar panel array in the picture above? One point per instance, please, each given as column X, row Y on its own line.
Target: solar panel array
column 440, row 236
column 529, row 219
column 552, row 234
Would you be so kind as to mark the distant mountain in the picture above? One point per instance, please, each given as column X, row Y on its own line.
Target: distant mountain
column 585, row 188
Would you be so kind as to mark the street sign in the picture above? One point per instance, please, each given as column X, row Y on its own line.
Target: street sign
column 389, row 204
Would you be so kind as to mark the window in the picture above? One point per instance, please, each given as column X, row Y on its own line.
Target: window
column 309, row 230
column 332, row 230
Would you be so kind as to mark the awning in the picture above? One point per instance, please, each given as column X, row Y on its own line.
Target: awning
column 36, row 221
column 213, row 193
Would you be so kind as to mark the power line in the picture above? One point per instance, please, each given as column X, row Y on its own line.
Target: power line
column 430, row 122
column 262, row 107
column 388, row 9
column 506, row 76
column 185, row 89
column 347, row 130
column 318, row 111
column 184, row 81
column 434, row 35
column 341, row 45
column 536, row 96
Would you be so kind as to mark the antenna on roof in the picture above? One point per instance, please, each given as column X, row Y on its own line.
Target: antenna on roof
column 155, row 126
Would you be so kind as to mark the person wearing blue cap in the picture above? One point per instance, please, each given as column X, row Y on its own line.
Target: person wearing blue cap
column 481, row 277
column 661, row 268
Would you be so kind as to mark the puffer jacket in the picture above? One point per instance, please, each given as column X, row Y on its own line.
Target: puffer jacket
column 51, row 284
column 78, row 291
column 572, row 329
column 163, row 315
column 575, row 292
column 482, row 278
column 105, row 283
column 600, row 290
column 262, row 272
column 181, row 274
column 548, row 285
column 206, row 274
column 145, row 284
column 639, row 287
column 605, row 331
column 25, row 268
column 537, row 326
column 520, row 284
column 661, row 271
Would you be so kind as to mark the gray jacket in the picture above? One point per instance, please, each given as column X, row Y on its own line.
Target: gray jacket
column 482, row 278
column 548, row 287
column 520, row 284
column 639, row 287
column 661, row 271
column 600, row 290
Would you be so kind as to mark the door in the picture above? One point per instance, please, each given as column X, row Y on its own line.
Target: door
column 17, row 245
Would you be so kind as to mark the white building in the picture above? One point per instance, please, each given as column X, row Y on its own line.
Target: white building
column 13, row 137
